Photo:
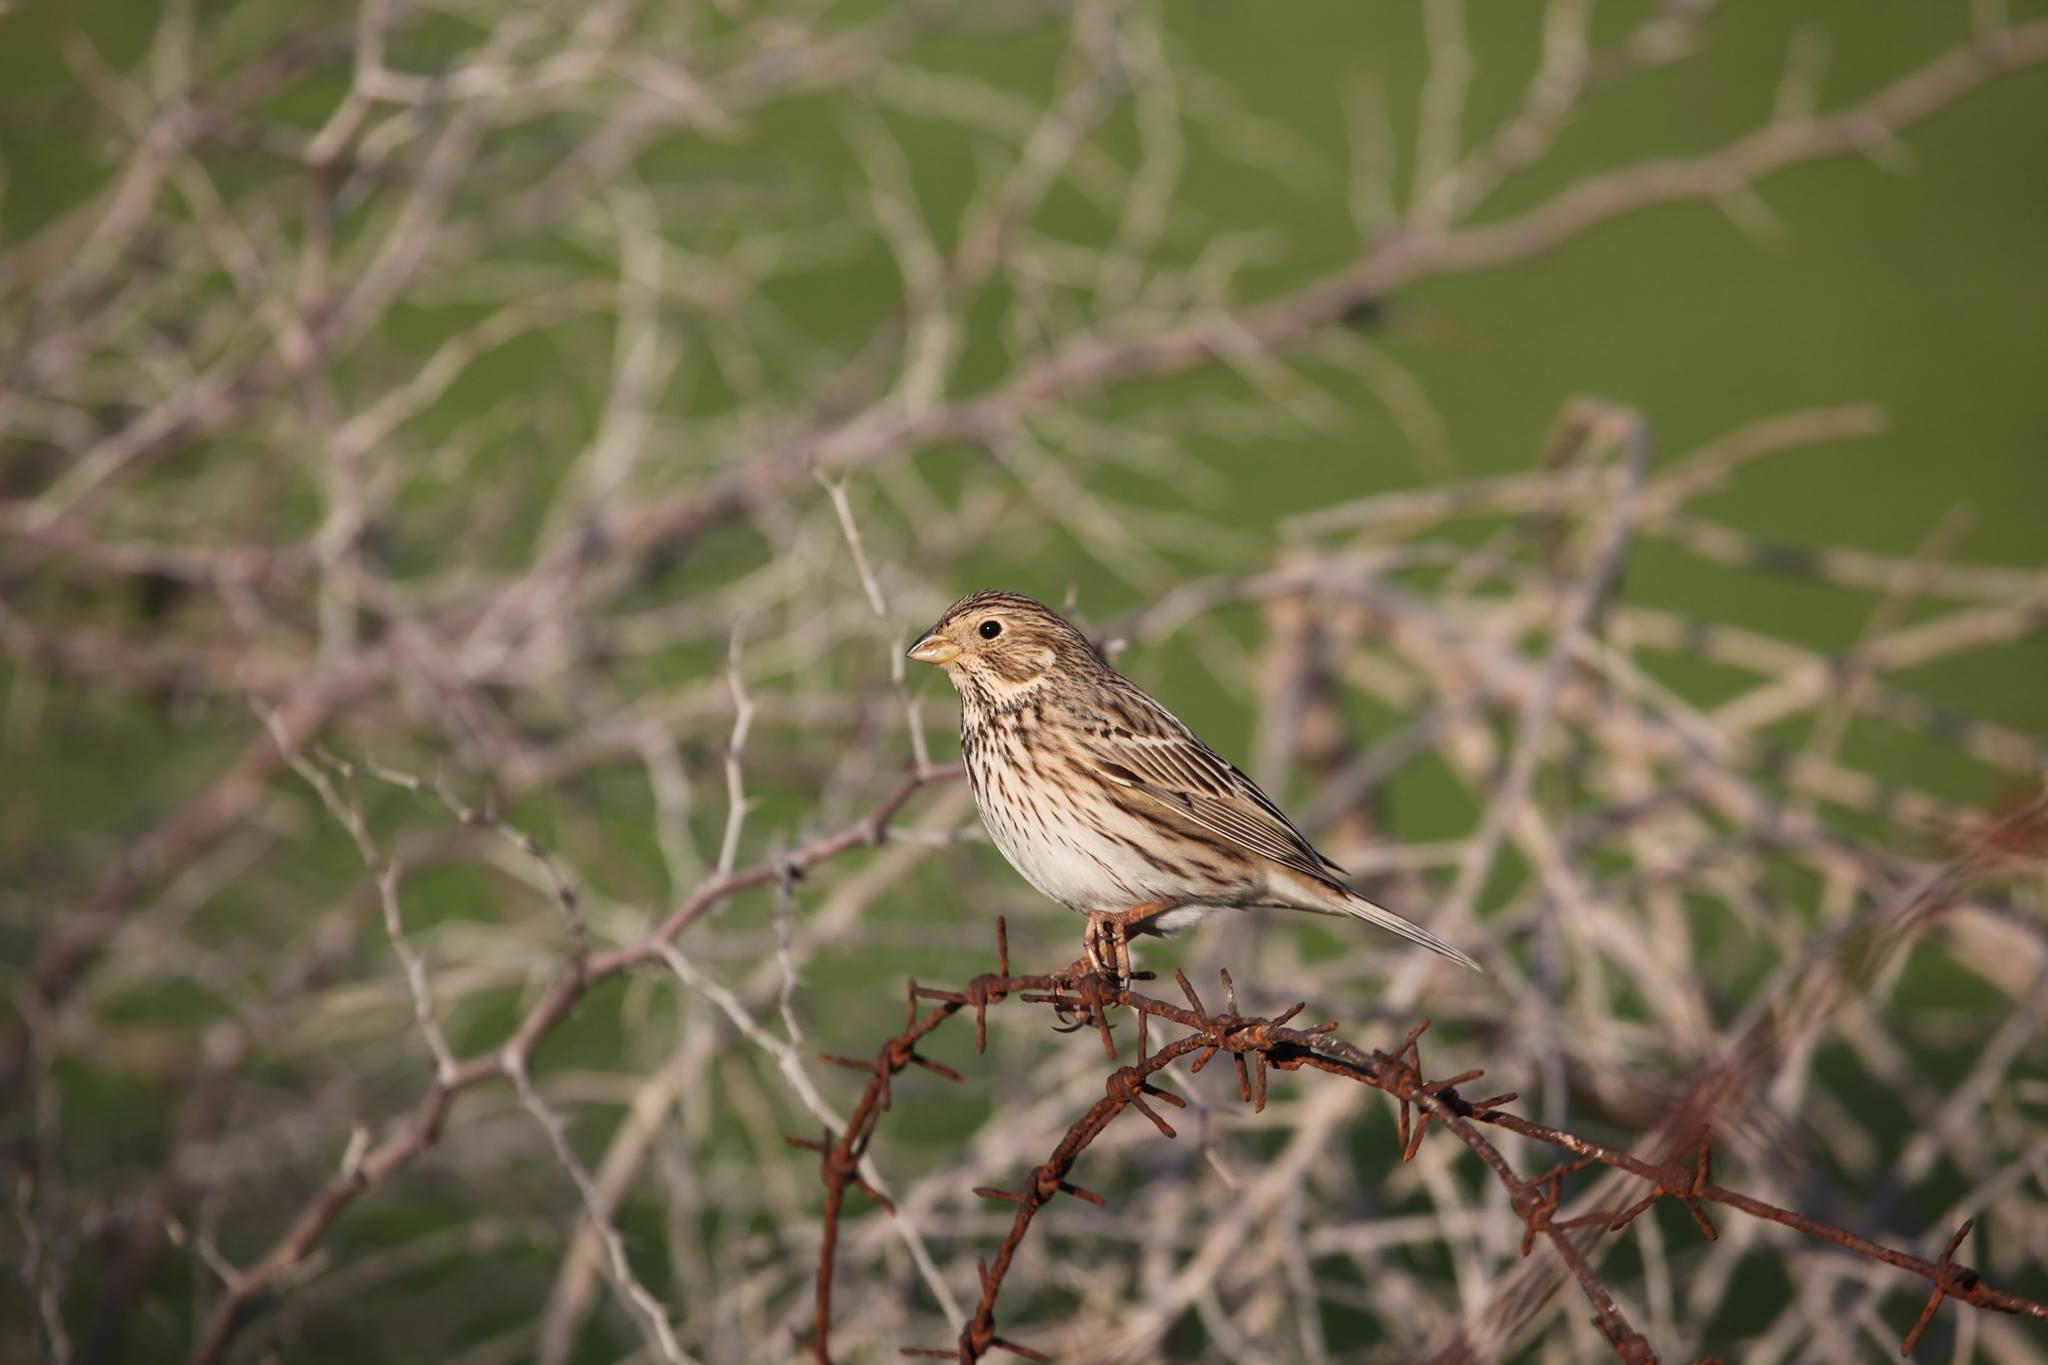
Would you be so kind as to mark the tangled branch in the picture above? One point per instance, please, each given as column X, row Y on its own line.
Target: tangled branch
column 269, row 434
column 366, row 1170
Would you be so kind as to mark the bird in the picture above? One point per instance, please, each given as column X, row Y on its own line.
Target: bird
column 1106, row 802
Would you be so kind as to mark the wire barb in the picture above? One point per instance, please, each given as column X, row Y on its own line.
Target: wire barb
column 1258, row 1045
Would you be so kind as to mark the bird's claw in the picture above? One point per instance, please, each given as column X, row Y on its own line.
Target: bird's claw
column 1106, row 944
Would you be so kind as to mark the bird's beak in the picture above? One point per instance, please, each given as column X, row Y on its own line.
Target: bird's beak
column 935, row 649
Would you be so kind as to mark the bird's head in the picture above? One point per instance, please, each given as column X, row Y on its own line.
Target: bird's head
column 997, row 645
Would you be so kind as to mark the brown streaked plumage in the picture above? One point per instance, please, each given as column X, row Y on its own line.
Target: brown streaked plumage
column 1104, row 800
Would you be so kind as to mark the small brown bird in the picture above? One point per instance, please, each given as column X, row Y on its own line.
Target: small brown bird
column 1105, row 801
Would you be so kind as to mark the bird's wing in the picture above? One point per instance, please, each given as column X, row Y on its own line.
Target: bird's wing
column 1163, row 759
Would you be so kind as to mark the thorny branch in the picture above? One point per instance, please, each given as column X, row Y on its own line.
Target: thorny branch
column 1258, row 1045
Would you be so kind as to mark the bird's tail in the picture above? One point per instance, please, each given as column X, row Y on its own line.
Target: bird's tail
column 1355, row 904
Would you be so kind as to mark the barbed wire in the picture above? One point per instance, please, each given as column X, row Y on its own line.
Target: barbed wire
column 177, row 328
column 1258, row 1045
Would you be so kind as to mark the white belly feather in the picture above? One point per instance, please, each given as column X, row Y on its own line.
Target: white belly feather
column 1097, row 863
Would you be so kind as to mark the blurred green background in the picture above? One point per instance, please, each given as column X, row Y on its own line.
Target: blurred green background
column 1915, row 281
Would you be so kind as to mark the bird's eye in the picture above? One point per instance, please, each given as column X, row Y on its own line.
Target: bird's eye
column 991, row 629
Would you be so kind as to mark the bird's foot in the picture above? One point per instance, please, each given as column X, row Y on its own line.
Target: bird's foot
column 1106, row 943
column 1105, row 958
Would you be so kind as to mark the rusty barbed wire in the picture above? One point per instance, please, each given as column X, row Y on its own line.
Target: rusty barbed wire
column 539, row 640
column 1258, row 1045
